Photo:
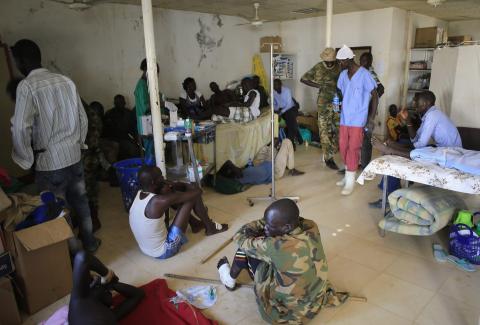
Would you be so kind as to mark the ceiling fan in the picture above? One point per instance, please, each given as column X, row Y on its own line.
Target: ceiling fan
column 435, row 3
column 256, row 21
column 80, row 4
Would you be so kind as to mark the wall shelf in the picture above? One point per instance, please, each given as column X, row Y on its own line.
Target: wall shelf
column 423, row 49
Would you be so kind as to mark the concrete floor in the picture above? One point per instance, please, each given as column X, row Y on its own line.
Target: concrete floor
column 397, row 273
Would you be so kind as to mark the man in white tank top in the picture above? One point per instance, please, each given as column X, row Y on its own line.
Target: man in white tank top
column 147, row 214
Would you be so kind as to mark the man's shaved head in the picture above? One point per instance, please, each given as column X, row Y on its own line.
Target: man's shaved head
column 281, row 217
column 149, row 178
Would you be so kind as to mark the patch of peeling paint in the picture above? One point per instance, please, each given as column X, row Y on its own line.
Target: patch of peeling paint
column 209, row 37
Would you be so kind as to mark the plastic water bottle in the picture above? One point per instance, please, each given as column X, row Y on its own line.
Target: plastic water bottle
column 336, row 103
column 250, row 162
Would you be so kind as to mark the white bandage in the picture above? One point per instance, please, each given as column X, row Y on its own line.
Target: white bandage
column 225, row 277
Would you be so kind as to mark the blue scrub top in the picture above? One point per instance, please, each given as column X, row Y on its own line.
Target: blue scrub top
column 356, row 96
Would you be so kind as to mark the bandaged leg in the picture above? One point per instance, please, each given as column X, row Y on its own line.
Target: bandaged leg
column 224, row 272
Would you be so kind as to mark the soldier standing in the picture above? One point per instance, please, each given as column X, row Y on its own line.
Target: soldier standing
column 324, row 76
column 91, row 159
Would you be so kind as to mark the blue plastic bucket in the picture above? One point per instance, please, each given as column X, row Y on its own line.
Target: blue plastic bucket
column 127, row 174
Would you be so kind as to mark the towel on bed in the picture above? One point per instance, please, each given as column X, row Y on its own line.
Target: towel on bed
column 420, row 210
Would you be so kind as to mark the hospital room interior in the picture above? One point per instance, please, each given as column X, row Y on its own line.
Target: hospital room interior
column 240, row 162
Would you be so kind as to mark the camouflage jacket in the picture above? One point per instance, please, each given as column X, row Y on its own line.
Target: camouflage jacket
column 292, row 279
column 95, row 126
column 327, row 79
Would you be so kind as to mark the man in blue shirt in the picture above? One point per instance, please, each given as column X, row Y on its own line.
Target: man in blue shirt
column 435, row 126
column 359, row 106
column 284, row 106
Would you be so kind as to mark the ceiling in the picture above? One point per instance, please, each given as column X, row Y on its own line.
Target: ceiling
column 277, row 10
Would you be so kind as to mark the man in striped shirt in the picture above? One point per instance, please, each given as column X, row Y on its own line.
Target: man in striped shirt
column 49, row 128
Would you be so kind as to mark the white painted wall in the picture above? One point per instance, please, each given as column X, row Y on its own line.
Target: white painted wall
column 306, row 38
column 468, row 27
column 101, row 48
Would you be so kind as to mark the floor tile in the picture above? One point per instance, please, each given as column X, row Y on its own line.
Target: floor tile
column 397, row 296
column 347, row 275
column 420, row 272
column 366, row 253
column 358, row 313
column 464, row 286
column 443, row 310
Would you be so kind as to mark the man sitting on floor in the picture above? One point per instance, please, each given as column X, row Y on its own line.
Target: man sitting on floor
column 435, row 126
column 91, row 298
column 261, row 171
column 147, row 214
column 283, row 254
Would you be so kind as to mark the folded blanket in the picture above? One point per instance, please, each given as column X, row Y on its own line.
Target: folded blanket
column 467, row 161
column 420, row 210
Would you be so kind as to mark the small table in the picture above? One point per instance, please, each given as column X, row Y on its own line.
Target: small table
column 204, row 134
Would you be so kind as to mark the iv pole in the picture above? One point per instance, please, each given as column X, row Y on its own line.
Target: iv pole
column 272, row 197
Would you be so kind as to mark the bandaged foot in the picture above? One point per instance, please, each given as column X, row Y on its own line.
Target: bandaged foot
column 224, row 271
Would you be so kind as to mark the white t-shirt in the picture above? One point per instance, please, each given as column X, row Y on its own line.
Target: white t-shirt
column 150, row 234
column 255, row 107
column 198, row 94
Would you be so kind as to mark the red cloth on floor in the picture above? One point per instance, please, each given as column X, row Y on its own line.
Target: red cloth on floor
column 156, row 308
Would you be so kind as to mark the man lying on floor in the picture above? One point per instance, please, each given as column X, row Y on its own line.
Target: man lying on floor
column 91, row 298
column 261, row 171
column 153, row 201
column 283, row 254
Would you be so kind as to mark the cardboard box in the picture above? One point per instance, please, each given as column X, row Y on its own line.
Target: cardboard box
column 265, row 44
column 310, row 122
column 41, row 257
column 428, row 37
column 459, row 39
column 9, row 314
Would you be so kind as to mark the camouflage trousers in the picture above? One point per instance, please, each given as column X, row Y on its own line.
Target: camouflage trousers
column 328, row 125
column 91, row 166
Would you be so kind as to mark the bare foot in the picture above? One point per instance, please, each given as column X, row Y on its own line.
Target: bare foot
column 215, row 228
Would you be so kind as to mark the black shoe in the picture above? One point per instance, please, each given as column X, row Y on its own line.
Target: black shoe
column 341, row 171
column 376, row 204
column 331, row 164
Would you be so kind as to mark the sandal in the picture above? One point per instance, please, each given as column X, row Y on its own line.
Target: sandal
column 461, row 263
column 439, row 253
column 219, row 227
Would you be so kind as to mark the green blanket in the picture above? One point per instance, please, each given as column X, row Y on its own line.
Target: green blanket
column 421, row 210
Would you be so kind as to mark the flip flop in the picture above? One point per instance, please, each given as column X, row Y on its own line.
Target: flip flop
column 461, row 263
column 439, row 253
column 219, row 227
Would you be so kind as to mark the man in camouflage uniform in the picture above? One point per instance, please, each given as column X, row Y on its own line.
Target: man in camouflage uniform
column 284, row 255
column 91, row 158
column 324, row 76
